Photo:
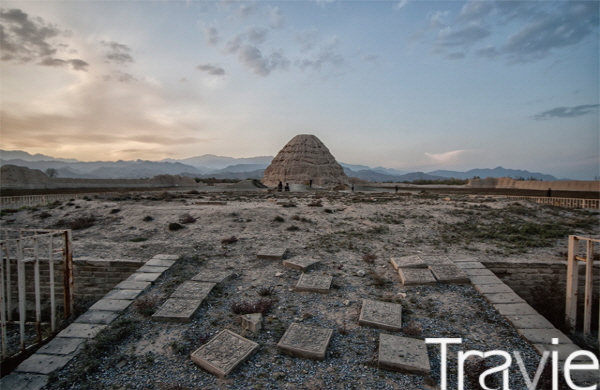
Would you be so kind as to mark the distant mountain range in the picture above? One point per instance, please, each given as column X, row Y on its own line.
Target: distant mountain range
column 222, row 167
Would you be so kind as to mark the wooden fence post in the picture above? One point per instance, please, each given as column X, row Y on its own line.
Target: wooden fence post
column 572, row 281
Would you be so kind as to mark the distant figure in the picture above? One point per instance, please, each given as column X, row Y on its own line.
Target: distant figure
column 396, row 189
column 287, row 187
column 310, row 184
column 549, row 193
column 352, row 187
column 279, row 186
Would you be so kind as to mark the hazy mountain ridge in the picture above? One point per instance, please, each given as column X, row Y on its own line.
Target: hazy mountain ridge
column 223, row 167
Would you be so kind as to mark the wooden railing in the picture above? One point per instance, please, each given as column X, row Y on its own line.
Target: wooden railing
column 573, row 281
column 574, row 203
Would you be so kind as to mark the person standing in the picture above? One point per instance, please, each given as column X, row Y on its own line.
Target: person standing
column 279, row 186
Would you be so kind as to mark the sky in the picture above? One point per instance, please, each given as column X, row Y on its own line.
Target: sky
column 410, row 85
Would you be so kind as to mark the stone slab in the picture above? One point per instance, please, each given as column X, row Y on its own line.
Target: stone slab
column 436, row 260
column 416, row 276
column 133, row 285
column 529, row 322
column 470, row 265
column 193, row 290
column 301, row 263
column 271, row 253
column 305, row 341
column 23, row 381
column 252, row 322
column 152, row 268
column 314, row 283
column 123, row 294
column 486, row 280
column 144, row 276
column 515, row 309
column 493, row 288
column 62, row 346
column 111, row 304
column 82, row 331
column 43, row 364
column 564, row 351
column 503, row 298
column 544, row 336
column 97, row 317
column 166, row 257
column 224, row 352
column 414, row 261
column 177, row 310
column 449, row 274
column 213, row 276
column 478, row 272
column 403, row 354
column 382, row 315
column 161, row 262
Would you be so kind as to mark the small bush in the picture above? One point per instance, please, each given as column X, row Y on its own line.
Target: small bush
column 174, row 226
column 263, row 306
column 328, row 211
column 369, row 258
column 413, row 328
column 138, row 239
column 147, row 218
column 316, row 203
column 292, row 228
column 266, row 291
column 114, row 211
column 44, row 215
column 230, row 240
column 82, row 223
column 146, row 305
column 278, row 219
column 186, row 218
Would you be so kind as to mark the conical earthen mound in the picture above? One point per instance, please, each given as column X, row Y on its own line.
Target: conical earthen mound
column 303, row 159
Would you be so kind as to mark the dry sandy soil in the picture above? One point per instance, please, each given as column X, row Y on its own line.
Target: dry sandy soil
column 338, row 229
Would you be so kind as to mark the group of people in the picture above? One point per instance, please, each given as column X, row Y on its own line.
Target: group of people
column 280, row 186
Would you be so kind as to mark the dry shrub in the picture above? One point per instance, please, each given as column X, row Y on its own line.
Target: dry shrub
column 369, row 258
column 413, row 328
column 230, row 240
column 263, row 306
column 186, row 218
column 146, row 305
column 82, row 222
column 266, row 291
column 175, row 226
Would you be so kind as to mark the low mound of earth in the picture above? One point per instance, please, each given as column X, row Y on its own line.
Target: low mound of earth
column 339, row 230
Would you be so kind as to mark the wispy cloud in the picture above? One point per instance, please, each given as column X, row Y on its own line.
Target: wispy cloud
column 446, row 157
column 211, row 69
column 568, row 112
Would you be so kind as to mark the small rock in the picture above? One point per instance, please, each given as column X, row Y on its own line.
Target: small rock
column 279, row 274
column 346, row 302
column 402, row 295
column 360, row 273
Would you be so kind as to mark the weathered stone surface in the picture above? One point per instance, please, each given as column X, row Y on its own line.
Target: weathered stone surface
column 166, row 257
column 450, row 274
column 193, row 290
column 314, row 283
column 493, row 288
column 486, row 280
column 302, row 159
column 383, row 315
column 544, row 336
column 564, row 351
column 111, row 304
column 82, row 331
column 306, row 341
column 416, row 276
column 252, row 322
column 301, row 263
column 43, row 364
column 414, row 261
column 144, row 277
column 61, row 346
column 514, row 309
column 529, row 322
column 97, row 317
column 213, row 276
column 436, row 260
column 152, row 268
column 403, row 354
column 470, row 264
column 133, row 285
column 177, row 310
column 504, row 298
column 271, row 253
column 123, row 294
column 23, row 381
column 161, row 262
column 224, row 352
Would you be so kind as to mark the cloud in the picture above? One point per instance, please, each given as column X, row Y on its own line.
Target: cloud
column 447, row 157
column 257, row 35
column 277, row 18
column 327, row 54
column 57, row 62
column 307, row 39
column 211, row 70
column 212, row 36
column 464, row 36
column 246, row 9
column 252, row 58
column 568, row 112
column 401, row 4
column 118, row 53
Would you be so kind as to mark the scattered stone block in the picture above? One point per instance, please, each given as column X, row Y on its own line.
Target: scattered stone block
column 470, row 264
column 43, row 364
column 132, row 285
column 152, row 268
column 161, row 262
column 23, row 382
column 61, row 346
column 414, row 261
column 252, row 322
column 144, row 276
column 213, row 276
column 123, row 294
column 382, row 315
column 450, row 274
column 478, row 272
column 403, row 354
column 97, row 317
column 177, row 310
column 514, row 309
column 314, row 283
column 493, row 288
column 193, row 290
column 564, row 351
column 81, row 331
column 503, row 298
column 301, row 263
column 271, row 253
column 436, row 260
column 529, row 322
column 224, row 352
column 416, row 276
column 111, row 304
column 544, row 336
column 306, row 341
column 486, row 280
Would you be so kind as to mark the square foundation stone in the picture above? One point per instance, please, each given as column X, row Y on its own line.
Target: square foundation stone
column 97, row 317
column 450, row 274
column 213, row 276
column 314, row 283
column 414, row 261
column 61, row 346
column 416, row 276
column 152, row 268
column 306, row 341
column 111, row 305
column 43, row 364
column 160, row 262
column 177, row 310
column 132, row 285
column 403, row 354
column 436, row 260
column 382, row 315
column 123, row 294
column 166, row 257
column 301, row 263
column 193, row 290
column 224, row 352
column 271, row 253
column 144, row 277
